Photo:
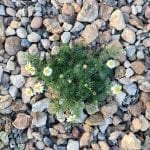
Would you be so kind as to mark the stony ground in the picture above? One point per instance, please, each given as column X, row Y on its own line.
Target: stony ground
column 38, row 27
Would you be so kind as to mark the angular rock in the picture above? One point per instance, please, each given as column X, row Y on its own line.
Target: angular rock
column 109, row 109
column 131, row 89
column 5, row 101
column 94, row 119
column 13, row 91
column 89, row 11
column 90, row 33
column 22, row 121
column 65, row 37
column 145, row 86
column 78, row 26
column 40, row 105
column 147, row 112
column 128, row 35
column 117, row 20
column 147, row 12
column 17, row 80
column 39, row 119
column 68, row 10
column 12, row 45
column 145, row 125
column 130, row 142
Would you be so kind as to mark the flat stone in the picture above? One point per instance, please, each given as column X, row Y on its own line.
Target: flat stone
column 12, row 45
column 22, row 121
column 131, row 89
column 94, row 119
column 129, row 72
column 65, row 37
column 17, row 80
column 128, row 35
column 117, row 20
column 127, row 144
column 90, row 33
column 21, row 32
column 1, row 73
column 5, row 101
column 130, row 50
column 2, row 10
column 89, row 11
column 40, row 105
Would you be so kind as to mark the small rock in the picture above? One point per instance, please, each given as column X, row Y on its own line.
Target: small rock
column 85, row 139
column 39, row 119
column 40, row 145
column 138, row 67
column 73, row 145
column 65, row 37
column 114, row 136
column 5, row 101
column 117, row 20
column 2, row 10
column 92, row 108
column 12, row 45
column 13, row 91
column 136, row 109
column 11, row 65
column 17, row 80
column 144, row 123
column 90, row 33
column 75, row 132
column 40, row 105
column 128, row 35
column 78, row 26
column 21, row 32
column 103, row 145
column 130, row 50
column 48, row 142
column 95, row 119
column 109, row 109
column 10, row 31
column 134, row 10
column 136, row 125
column 22, row 121
column 67, row 26
column 127, row 144
column 145, row 86
column 22, row 57
column 4, row 137
column 120, row 98
column 146, row 42
column 68, row 10
column 147, row 112
column 89, row 11
column 45, row 43
column 55, row 50
column 131, row 89
column 34, row 37
column 36, row 22
column 33, row 50
column 129, row 72
column 147, row 12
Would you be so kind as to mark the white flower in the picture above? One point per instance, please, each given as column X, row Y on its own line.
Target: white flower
column 47, row 71
column 71, row 118
column 38, row 88
column 116, row 89
column 111, row 63
column 29, row 92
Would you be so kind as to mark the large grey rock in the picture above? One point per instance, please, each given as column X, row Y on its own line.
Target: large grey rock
column 89, row 11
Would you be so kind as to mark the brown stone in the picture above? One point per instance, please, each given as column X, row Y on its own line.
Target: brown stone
column 136, row 109
column 138, row 67
column 103, row 145
column 136, row 22
column 36, row 22
column 147, row 12
column 85, row 139
column 68, row 10
column 144, row 98
column 22, row 121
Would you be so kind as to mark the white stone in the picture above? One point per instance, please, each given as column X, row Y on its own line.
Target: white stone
column 13, row 91
column 73, row 145
column 65, row 37
column 33, row 37
column 129, row 72
column 21, row 32
column 45, row 43
column 131, row 89
column 133, row 9
column 1, row 73
column 10, row 31
column 78, row 26
column 120, row 97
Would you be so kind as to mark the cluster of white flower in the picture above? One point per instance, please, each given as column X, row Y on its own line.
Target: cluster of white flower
column 37, row 89
column 116, row 88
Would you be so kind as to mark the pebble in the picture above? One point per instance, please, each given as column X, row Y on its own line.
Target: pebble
column 73, row 145
column 147, row 12
column 120, row 98
column 10, row 65
column 128, row 35
column 2, row 10
column 5, row 101
column 45, row 43
column 129, row 72
column 130, row 50
column 1, row 73
column 78, row 26
column 13, row 91
column 117, row 20
column 55, row 50
column 40, row 145
column 36, row 22
column 10, row 31
column 138, row 67
column 11, row 11
column 89, row 11
column 48, row 142
column 85, row 139
column 22, row 57
column 103, row 145
column 12, row 45
column 34, row 37
column 21, row 32
column 65, row 37
column 127, row 144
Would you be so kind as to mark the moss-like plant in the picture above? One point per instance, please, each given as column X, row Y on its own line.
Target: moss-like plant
column 78, row 77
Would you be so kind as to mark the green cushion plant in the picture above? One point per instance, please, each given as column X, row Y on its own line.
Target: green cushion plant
column 77, row 76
